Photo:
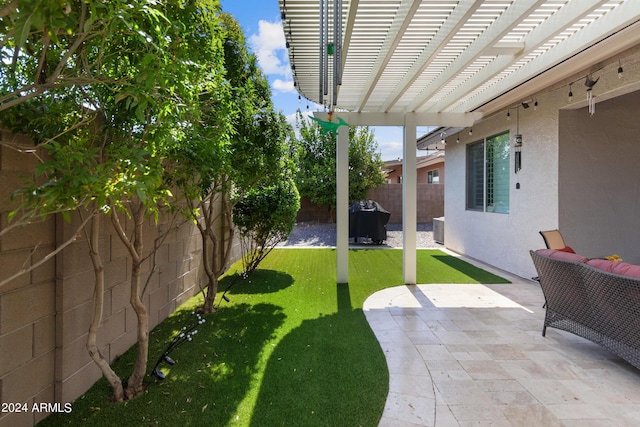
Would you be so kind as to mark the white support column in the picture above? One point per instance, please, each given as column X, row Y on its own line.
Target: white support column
column 409, row 203
column 342, row 204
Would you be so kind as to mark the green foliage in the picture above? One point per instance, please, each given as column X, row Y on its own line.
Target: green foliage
column 129, row 81
column 316, row 177
column 130, row 99
column 113, row 91
column 265, row 216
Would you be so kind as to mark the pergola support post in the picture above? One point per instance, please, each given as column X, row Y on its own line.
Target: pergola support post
column 342, row 204
column 409, row 201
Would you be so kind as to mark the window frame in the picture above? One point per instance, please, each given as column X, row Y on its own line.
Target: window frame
column 474, row 196
column 488, row 174
column 433, row 173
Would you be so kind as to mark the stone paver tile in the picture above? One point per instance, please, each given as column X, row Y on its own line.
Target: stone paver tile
column 461, row 392
column 576, row 411
column 391, row 336
column 444, row 417
column 467, row 352
column 410, row 409
column 434, row 352
column 485, row 370
column 403, row 365
column 423, row 337
column 622, row 415
column 419, row 385
column 530, row 416
column 390, row 422
column 411, row 323
column 550, row 392
column 589, row 423
column 477, row 413
column 503, row 351
column 400, row 350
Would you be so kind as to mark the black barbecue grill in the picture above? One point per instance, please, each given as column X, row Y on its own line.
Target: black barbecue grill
column 368, row 219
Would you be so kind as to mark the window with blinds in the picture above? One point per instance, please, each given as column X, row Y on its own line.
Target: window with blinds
column 488, row 174
column 497, row 174
column 475, row 176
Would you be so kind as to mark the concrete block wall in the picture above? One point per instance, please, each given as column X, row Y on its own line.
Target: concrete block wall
column 45, row 314
column 430, row 199
column 27, row 304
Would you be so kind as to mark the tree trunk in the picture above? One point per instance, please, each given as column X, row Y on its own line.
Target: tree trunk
column 209, row 266
column 135, row 384
column 98, row 305
column 216, row 258
column 210, row 259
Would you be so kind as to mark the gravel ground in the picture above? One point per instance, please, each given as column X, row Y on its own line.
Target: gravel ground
column 318, row 234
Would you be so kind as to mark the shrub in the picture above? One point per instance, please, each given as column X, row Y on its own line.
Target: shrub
column 265, row 217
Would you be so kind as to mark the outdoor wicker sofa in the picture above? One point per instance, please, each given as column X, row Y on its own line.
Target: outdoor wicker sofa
column 596, row 299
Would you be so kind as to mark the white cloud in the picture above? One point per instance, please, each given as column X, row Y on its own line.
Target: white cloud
column 390, row 150
column 270, row 47
column 285, row 86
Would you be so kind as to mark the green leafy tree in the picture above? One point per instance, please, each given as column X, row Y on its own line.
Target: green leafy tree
column 316, row 177
column 239, row 143
column 109, row 89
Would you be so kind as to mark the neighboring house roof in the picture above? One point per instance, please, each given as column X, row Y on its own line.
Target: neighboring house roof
column 421, row 162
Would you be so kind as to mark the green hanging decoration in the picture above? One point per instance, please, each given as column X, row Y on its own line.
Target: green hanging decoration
column 330, row 49
column 329, row 126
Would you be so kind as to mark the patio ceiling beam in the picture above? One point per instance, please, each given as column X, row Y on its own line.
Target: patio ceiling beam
column 401, row 21
column 618, row 20
column 348, row 31
column 399, row 119
column 557, row 23
column 455, row 21
column 490, row 37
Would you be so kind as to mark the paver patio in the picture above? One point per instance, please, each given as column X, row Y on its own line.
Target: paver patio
column 462, row 355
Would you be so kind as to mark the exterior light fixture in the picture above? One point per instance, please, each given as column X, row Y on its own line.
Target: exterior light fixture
column 620, row 70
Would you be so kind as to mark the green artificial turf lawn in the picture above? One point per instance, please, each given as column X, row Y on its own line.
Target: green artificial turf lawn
column 290, row 348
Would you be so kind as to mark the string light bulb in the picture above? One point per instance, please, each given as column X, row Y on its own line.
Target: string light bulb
column 470, row 131
column 570, row 92
column 620, row 70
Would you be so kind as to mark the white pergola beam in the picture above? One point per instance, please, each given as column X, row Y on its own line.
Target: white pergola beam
column 558, row 22
column 464, row 10
column 616, row 20
column 399, row 119
column 401, row 21
column 515, row 13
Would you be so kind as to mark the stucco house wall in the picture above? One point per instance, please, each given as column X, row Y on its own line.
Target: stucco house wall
column 599, row 181
column 546, row 197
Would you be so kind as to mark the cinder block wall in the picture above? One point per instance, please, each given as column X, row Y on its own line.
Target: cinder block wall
column 45, row 314
column 430, row 200
column 27, row 304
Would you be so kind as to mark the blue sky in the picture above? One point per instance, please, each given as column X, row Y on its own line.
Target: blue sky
column 260, row 20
